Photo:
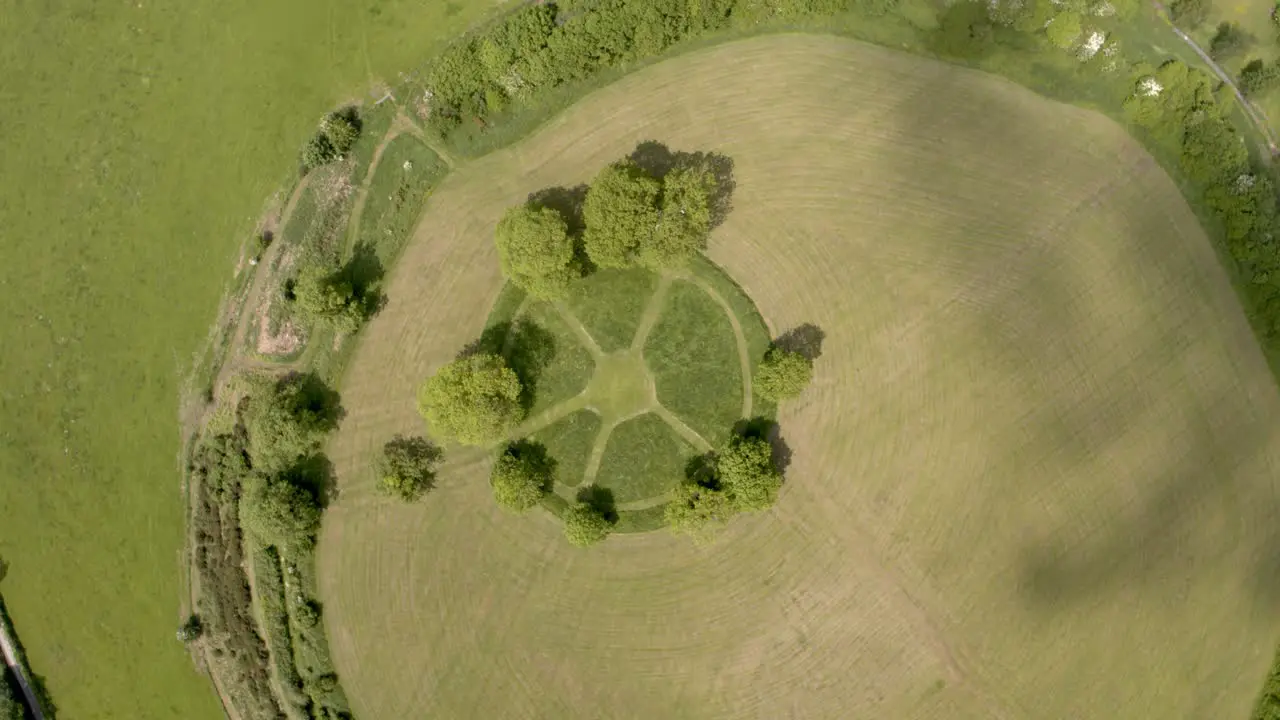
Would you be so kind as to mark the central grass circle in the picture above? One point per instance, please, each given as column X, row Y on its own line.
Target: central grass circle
column 630, row 377
column 621, row 386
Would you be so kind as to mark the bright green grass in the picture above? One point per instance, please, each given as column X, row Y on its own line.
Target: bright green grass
column 548, row 356
column 148, row 136
column 569, row 441
column 693, row 355
column 609, row 304
column 643, row 459
column 754, row 330
column 396, row 195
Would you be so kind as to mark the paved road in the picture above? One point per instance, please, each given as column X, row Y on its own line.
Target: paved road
column 1254, row 116
column 9, row 648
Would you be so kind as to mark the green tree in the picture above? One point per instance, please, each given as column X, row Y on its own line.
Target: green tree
column 474, row 400
column 522, row 475
column 11, row 708
column 341, row 130
column 287, row 420
column 318, row 151
column 620, row 213
column 783, row 374
column 536, row 251
column 1189, row 13
column 1257, row 77
column 697, row 510
column 1228, row 40
column 1063, row 29
column 324, row 294
column 747, row 473
column 189, row 631
column 685, row 222
column 406, row 468
column 279, row 513
column 584, row 524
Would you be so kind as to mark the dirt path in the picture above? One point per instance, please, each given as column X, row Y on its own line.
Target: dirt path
column 10, row 649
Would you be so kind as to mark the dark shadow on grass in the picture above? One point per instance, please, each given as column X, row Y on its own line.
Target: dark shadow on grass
column 565, row 200
column 314, row 474
column 763, row 428
column 600, row 498
column 805, row 339
column 315, row 396
column 656, row 159
column 539, row 460
column 701, row 470
column 365, row 273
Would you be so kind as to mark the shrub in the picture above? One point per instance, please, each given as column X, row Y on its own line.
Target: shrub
column 326, row 294
column 783, row 374
column 189, row 631
column 1257, row 77
column 584, row 524
column 406, row 468
column 536, row 251
column 522, row 475
column 697, row 510
column 336, row 135
column 474, row 400
column 1227, row 41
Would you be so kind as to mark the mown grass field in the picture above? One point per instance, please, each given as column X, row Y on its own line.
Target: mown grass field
column 1035, row 476
column 141, row 142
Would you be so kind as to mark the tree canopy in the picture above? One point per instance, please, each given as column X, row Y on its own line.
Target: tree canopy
column 747, row 473
column 620, row 213
column 685, row 221
column 11, row 708
column 406, row 468
column 287, row 420
column 1063, row 29
column 584, row 524
column 783, row 374
column 522, row 475
column 536, row 251
column 277, row 512
column 474, row 400
column 698, row 510
column 336, row 135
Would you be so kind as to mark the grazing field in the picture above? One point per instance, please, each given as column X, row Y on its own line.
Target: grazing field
column 143, row 139
column 1035, row 476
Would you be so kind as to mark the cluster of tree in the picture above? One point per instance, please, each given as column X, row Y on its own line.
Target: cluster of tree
column 338, row 131
column 630, row 218
column 1176, row 105
column 1257, row 77
column 340, row 296
column 543, row 45
column 474, row 400
column 744, row 478
column 524, row 474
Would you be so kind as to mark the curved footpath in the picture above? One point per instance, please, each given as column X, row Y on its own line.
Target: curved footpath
column 10, row 650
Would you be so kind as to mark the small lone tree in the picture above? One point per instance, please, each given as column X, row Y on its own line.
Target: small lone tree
column 783, row 374
column 523, row 474
column 536, row 251
column 685, row 224
column 620, row 213
column 279, row 513
column 336, row 135
column 474, row 400
column 697, row 510
column 747, row 473
column 325, row 294
column 584, row 524
column 189, row 631
column 1189, row 13
column 406, row 468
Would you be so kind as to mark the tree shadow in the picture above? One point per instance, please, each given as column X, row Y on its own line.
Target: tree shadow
column 4, row 569
column 565, row 200
column 600, row 498
column 315, row 474
column 657, row 160
column 763, row 428
column 805, row 339
column 701, row 470
column 364, row 271
column 527, row 347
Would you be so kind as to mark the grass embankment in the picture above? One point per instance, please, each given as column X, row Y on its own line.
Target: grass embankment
column 1003, row 415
